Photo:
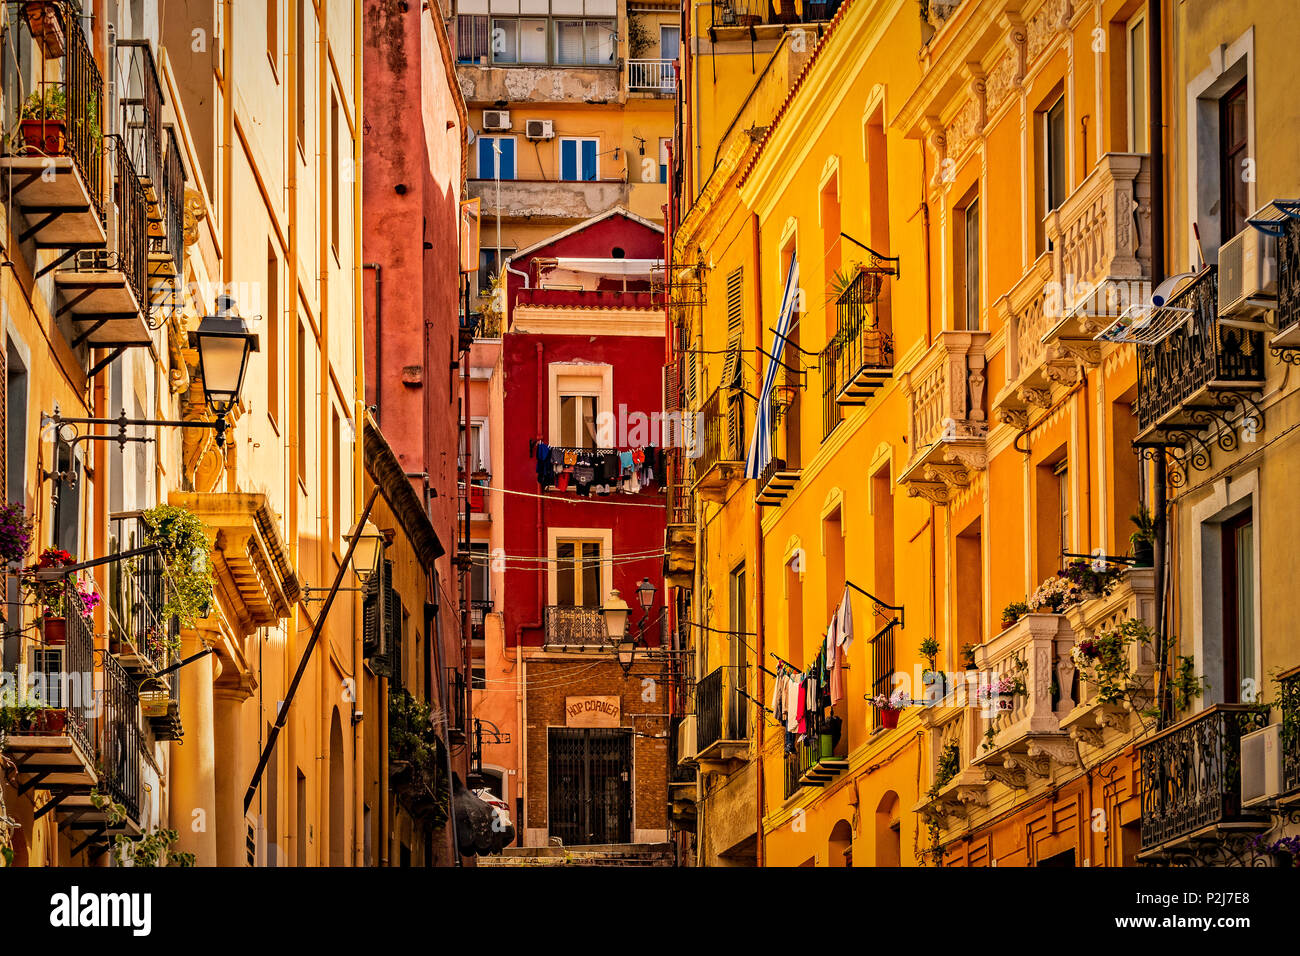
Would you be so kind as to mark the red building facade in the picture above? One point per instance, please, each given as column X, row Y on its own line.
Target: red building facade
column 583, row 486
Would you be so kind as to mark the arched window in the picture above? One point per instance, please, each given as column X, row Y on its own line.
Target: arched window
column 888, row 831
column 839, row 849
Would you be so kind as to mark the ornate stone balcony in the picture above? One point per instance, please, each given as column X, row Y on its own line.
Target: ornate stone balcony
column 1095, row 721
column 953, row 735
column 1027, row 742
column 1098, row 264
column 947, row 416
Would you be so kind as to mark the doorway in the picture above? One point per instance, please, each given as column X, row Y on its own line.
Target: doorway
column 590, row 785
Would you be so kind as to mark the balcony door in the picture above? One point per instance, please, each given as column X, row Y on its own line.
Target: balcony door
column 735, row 703
column 578, row 567
column 589, row 784
column 1238, row 549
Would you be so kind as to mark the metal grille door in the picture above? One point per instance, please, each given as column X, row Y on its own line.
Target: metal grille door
column 590, row 785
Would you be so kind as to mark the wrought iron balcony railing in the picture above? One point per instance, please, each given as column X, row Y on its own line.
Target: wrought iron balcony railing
column 1288, row 291
column 720, row 437
column 1198, row 360
column 859, row 358
column 722, row 712
column 1191, row 773
column 167, row 240
column 478, row 611
column 120, row 737
column 139, row 635
column 141, row 104
column 1289, row 703
column 66, row 675
column 570, row 626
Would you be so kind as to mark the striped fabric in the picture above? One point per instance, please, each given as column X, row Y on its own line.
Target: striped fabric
column 760, row 444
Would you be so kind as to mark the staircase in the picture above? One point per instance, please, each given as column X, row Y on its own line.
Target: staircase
column 614, row 854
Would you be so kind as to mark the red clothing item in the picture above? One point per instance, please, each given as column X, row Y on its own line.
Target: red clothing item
column 802, row 711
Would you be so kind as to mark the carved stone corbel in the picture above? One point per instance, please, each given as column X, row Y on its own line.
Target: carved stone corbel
column 1056, row 749
column 1015, row 417
column 1007, row 776
column 1035, row 395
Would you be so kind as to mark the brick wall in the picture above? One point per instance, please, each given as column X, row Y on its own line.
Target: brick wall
column 550, row 680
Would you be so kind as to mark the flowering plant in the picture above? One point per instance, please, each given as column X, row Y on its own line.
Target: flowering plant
column 51, row 593
column 15, row 532
column 896, row 701
column 1000, row 685
column 1093, row 577
column 1055, row 594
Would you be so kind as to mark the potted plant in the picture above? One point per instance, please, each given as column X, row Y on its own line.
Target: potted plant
column 54, row 598
column 186, row 549
column 44, row 121
column 47, row 29
column 1094, row 579
column 1054, row 595
column 15, row 533
column 1002, row 691
column 1013, row 612
column 889, row 707
column 936, row 686
column 968, row 656
column 1143, row 539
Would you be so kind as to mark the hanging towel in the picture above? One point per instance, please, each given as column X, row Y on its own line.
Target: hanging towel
column 837, row 676
column 844, row 619
column 801, row 722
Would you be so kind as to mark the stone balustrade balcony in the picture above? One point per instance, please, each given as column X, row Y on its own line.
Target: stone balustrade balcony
column 947, row 416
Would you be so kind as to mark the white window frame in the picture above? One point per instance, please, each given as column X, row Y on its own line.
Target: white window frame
column 496, row 157
column 1224, row 502
column 1228, row 66
column 602, row 536
column 581, row 378
column 559, row 154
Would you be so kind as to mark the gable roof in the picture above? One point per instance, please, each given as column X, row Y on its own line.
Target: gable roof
column 586, row 224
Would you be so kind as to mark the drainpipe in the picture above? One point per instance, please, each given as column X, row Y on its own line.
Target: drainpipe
column 379, row 335
column 1155, row 139
column 360, row 770
column 759, row 651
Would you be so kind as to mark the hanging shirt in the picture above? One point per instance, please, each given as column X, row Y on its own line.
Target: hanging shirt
column 801, row 722
column 837, row 676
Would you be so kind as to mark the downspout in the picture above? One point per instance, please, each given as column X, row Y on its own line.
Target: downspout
column 1155, row 142
column 359, row 470
column 759, row 650
column 379, row 337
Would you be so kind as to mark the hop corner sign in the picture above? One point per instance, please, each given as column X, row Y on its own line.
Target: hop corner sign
column 592, row 711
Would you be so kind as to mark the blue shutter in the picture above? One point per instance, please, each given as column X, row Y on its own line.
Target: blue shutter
column 568, row 159
column 485, row 158
column 507, row 158
column 589, row 160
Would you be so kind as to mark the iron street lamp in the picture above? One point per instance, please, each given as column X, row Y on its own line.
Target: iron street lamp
column 367, row 555
column 369, row 551
column 224, row 343
column 645, row 592
column 615, row 611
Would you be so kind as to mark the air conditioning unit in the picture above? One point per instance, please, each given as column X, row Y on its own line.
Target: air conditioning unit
column 686, row 741
column 1247, row 278
column 539, row 129
column 1261, row 766
column 496, row 119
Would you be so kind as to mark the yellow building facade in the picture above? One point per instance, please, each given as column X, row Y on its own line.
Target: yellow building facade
column 222, row 151
column 950, row 434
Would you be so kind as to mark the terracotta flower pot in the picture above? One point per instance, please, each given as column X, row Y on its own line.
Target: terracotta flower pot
column 889, row 719
column 44, row 136
column 56, row 630
column 51, row 722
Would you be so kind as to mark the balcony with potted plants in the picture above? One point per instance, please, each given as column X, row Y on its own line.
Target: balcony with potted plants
column 859, row 358
column 1113, row 658
column 957, row 786
column 49, row 725
column 53, row 171
column 1027, row 681
column 947, row 417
